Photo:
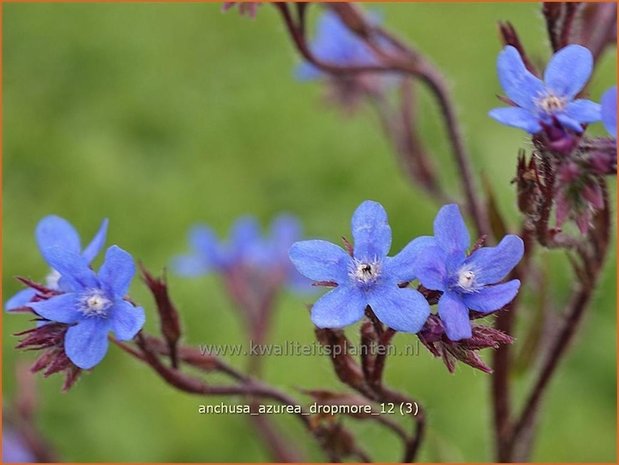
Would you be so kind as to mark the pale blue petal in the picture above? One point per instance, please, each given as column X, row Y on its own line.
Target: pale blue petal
column 517, row 118
column 126, row 319
column 86, row 343
column 584, row 111
column 20, row 299
column 609, row 110
column 190, row 265
column 404, row 309
column 492, row 298
column 53, row 231
column 450, row 230
column 520, row 85
column 245, row 233
column 95, row 246
column 285, row 230
column 455, row 317
column 492, row 264
column 402, row 266
column 61, row 308
column 117, row 271
column 320, row 260
column 339, row 307
column 569, row 70
column 73, row 268
column 569, row 123
column 371, row 231
column 430, row 267
column 205, row 243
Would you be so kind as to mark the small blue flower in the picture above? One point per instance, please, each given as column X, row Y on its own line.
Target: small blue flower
column 92, row 303
column 467, row 282
column 609, row 111
column 53, row 231
column 335, row 44
column 537, row 102
column 369, row 277
column 247, row 248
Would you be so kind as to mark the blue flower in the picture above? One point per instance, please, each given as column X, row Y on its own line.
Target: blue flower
column 14, row 448
column 609, row 111
column 247, row 248
column 335, row 44
column 467, row 282
column 93, row 304
column 536, row 102
column 368, row 277
column 53, row 231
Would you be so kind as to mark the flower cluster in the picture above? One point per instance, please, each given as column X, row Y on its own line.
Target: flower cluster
column 247, row 251
column 80, row 307
column 542, row 104
column 367, row 278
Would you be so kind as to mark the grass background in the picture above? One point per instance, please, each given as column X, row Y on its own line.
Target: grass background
column 160, row 115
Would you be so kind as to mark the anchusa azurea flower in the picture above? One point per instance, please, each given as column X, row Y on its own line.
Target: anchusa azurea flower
column 92, row 304
column 537, row 103
column 335, row 44
column 466, row 282
column 365, row 277
column 53, row 231
column 246, row 252
column 609, row 111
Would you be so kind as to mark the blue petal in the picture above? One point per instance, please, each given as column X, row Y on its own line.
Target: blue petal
column 86, row 343
column 127, row 320
column 404, row 310
column 371, row 231
column 569, row 123
column 117, row 271
column 340, row 307
column 285, row 230
column 520, row 85
column 205, row 243
column 61, row 308
column 20, row 299
column 609, row 110
column 190, row 265
column 517, row 118
column 95, row 246
column 492, row 298
column 584, row 111
column 72, row 267
column 491, row 264
column 245, row 233
column 320, row 260
column 53, row 231
column 569, row 70
column 307, row 72
column 455, row 317
column 450, row 230
column 402, row 266
column 430, row 268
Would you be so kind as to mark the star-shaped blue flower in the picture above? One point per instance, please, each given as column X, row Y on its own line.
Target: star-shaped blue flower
column 609, row 111
column 247, row 247
column 53, row 231
column 93, row 304
column 467, row 282
column 540, row 102
column 369, row 277
column 335, row 44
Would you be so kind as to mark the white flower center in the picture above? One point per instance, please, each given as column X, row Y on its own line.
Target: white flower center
column 365, row 272
column 94, row 303
column 550, row 103
column 466, row 279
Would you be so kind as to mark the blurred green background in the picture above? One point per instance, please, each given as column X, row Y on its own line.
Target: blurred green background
column 161, row 115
